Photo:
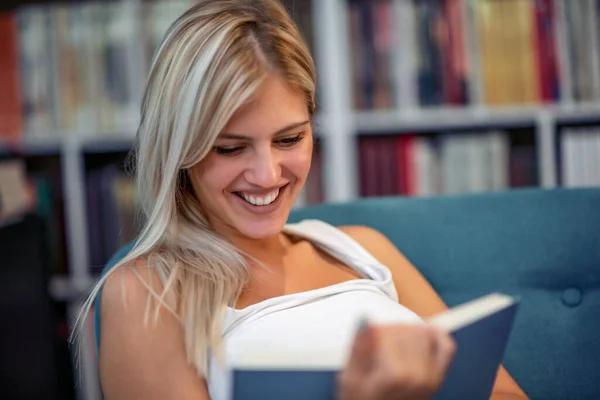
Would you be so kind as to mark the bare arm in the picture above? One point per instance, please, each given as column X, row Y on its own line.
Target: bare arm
column 418, row 295
column 139, row 361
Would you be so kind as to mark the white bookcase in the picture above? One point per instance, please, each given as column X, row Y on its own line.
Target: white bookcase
column 335, row 121
column 340, row 124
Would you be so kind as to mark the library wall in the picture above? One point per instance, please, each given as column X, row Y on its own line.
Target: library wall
column 446, row 98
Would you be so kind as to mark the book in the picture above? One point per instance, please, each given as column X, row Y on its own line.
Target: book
column 15, row 200
column 481, row 329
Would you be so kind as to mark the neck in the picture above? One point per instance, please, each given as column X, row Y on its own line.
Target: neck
column 264, row 249
column 269, row 250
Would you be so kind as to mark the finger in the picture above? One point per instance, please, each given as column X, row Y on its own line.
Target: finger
column 407, row 363
column 446, row 348
column 363, row 348
column 416, row 343
column 428, row 353
column 425, row 359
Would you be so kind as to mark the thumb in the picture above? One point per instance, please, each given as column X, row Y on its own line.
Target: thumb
column 362, row 353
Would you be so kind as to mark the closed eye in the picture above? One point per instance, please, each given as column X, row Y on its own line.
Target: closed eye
column 228, row 151
column 235, row 150
column 290, row 141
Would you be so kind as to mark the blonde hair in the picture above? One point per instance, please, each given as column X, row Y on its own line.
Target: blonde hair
column 210, row 63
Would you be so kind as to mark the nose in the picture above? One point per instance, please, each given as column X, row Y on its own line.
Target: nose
column 264, row 169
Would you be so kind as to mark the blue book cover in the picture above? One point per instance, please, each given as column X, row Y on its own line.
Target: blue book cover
column 481, row 329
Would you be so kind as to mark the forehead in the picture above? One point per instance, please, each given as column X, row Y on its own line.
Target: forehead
column 274, row 106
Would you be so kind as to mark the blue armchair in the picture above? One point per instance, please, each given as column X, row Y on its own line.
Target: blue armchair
column 542, row 245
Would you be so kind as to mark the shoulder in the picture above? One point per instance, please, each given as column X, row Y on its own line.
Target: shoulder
column 131, row 282
column 375, row 242
column 362, row 232
column 130, row 294
column 413, row 290
column 142, row 349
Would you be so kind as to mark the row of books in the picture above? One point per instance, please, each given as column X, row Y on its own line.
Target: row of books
column 580, row 157
column 449, row 163
column 81, row 68
column 112, row 213
column 419, row 53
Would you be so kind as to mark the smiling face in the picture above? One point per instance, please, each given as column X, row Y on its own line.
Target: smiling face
column 248, row 183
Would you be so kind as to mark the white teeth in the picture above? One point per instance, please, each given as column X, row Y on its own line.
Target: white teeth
column 261, row 201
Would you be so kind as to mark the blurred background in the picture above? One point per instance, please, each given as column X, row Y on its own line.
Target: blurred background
column 416, row 98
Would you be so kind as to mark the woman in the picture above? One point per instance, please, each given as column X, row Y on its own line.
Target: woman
column 224, row 149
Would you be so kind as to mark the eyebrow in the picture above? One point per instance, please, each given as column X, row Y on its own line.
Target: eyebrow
column 279, row 132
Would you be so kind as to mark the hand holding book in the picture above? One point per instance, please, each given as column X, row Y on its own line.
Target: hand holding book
column 396, row 361
column 453, row 356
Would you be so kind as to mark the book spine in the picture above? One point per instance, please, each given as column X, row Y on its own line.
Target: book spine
column 11, row 120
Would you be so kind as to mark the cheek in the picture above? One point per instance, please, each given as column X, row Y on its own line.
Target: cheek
column 304, row 160
column 214, row 174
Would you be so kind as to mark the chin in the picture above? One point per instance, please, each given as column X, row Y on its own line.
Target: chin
column 261, row 229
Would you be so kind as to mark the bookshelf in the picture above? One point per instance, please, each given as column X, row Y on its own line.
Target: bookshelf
column 412, row 99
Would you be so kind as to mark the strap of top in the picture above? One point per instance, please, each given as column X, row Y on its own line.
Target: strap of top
column 375, row 276
column 331, row 237
column 345, row 248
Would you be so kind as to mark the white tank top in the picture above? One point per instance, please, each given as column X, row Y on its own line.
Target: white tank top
column 320, row 319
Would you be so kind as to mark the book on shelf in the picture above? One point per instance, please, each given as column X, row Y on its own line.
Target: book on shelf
column 579, row 156
column 15, row 196
column 112, row 213
column 480, row 328
column 409, row 54
column 10, row 102
column 445, row 163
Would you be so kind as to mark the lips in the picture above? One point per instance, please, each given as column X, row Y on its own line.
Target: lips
column 258, row 200
column 270, row 201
